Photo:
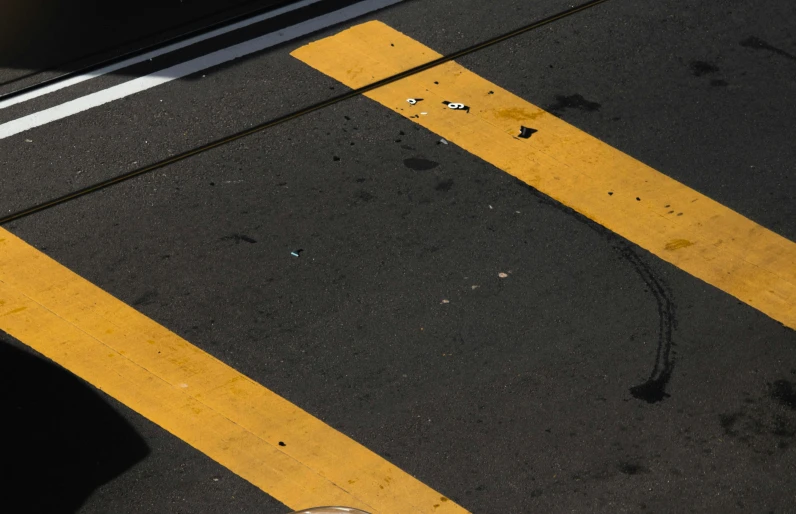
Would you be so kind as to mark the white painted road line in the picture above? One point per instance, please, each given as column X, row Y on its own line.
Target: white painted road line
column 131, row 87
column 71, row 81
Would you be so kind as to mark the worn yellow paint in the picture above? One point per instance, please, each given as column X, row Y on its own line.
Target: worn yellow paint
column 678, row 243
column 626, row 196
column 209, row 405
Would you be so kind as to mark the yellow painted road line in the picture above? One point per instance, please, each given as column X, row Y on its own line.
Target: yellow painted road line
column 672, row 221
column 283, row 450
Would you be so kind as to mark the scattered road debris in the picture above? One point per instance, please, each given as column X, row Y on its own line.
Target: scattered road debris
column 502, row 275
column 445, row 301
column 296, row 253
column 526, row 132
column 474, row 287
column 443, row 141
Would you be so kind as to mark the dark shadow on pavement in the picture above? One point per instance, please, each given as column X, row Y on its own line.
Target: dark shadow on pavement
column 60, row 439
column 64, row 36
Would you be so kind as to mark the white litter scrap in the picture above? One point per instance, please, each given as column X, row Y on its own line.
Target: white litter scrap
column 502, row 275
column 457, row 106
column 411, row 101
column 443, row 141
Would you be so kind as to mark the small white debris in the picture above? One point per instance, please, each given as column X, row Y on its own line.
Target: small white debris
column 411, row 101
column 502, row 275
column 424, row 113
column 475, row 287
column 445, row 301
column 28, row 140
column 443, row 141
column 490, row 206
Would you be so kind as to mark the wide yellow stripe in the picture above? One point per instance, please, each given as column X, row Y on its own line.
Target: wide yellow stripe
column 674, row 222
column 199, row 399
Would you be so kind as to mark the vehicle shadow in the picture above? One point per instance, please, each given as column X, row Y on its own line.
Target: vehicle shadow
column 60, row 439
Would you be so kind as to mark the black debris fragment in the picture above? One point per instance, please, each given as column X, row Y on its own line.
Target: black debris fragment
column 526, row 132
column 238, row 238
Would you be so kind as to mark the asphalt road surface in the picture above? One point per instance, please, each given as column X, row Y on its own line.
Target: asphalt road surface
column 499, row 346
